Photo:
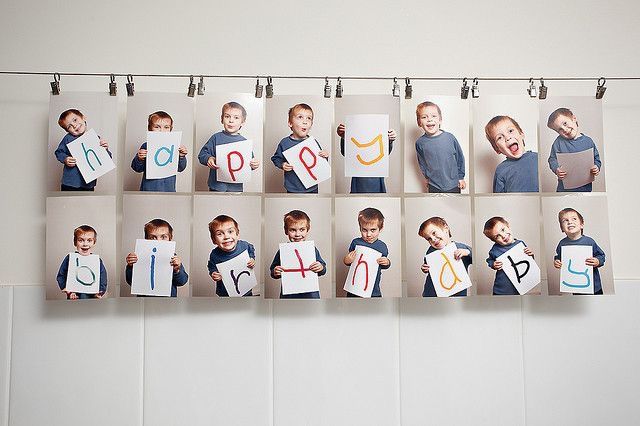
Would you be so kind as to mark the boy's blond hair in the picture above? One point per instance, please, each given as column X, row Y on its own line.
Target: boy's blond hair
column 425, row 104
column 564, row 211
column 296, row 107
column 158, row 115
column 564, row 112
column 369, row 215
column 67, row 113
column 234, row 105
column 435, row 220
column 83, row 229
column 155, row 224
column 218, row 221
column 296, row 216
column 491, row 125
column 491, row 223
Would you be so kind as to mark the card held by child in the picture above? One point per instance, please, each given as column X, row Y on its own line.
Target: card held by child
column 363, row 271
column 575, row 275
column 83, row 275
column 521, row 269
column 237, row 277
column 366, row 145
column 307, row 163
column 578, row 167
column 153, row 273
column 92, row 160
column 295, row 259
column 449, row 275
column 162, row 154
column 233, row 159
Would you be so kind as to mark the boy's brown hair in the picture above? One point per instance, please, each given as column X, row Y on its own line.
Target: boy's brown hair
column 427, row 104
column 296, row 107
column 491, row 125
column 158, row 115
column 369, row 215
column 234, row 105
column 296, row 216
column 67, row 113
column 435, row 220
column 564, row 112
column 218, row 221
column 155, row 224
column 491, row 223
column 83, row 229
column 569, row 210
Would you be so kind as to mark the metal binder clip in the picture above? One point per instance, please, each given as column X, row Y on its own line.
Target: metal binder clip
column 327, row 88
column 259, row 88
column 542, row 91
column 201, row 86
column 601, row 89
column 339, row 88
column 55, row 84
column 269, row 88
column 396, row 88
column 464, row 90
column 475, row 90
column 191, row 90
column 113, row 87
column 532, row 90
column 130, row 86
column 408, row 89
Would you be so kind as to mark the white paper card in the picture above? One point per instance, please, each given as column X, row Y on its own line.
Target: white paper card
column 575, row 275
column 521, row 269
column 92, row 160
column 448, row 275
column 153, row 273
column 83, row 275
column 162, row 154
column 233, row 159
column 237, row 277
column 362, row 272
column 578, row 167
column 295, row 258
column 366, row 145
column 307, row 163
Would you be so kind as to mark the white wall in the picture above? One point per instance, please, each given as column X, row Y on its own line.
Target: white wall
column 475, row 361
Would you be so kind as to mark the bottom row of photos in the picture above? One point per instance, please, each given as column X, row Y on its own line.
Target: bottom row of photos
column 311, row 248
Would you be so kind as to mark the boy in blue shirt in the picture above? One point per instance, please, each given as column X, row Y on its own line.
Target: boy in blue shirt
column 233, row 117
column 363, row 184
column 572, row 224
column 497, row 230
column 519, row 172
column 440, row 156
column 84, row 238
column 569, row 139
column 159, row 121
column 297, row 224
column 371, row 222
column 75, row 124
column 300, row 122
column 224, row 234
column 160, row 229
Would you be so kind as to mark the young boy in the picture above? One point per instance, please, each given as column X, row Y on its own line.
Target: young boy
column 362, row 185
column 159, row 121
column 572, row 224
column 519, row 172
column 569, row 139
column 233, row 117
column 224, row 234
column 296, row 226
column 371, row 222
column 497, row 230
column 75, row 124
column 84, row 238
column 160, row 229
column 300, row 122
column 440, row 157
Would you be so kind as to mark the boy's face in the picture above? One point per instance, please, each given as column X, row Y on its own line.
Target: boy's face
column 160, row 233
column 297, row 231
column 226, row 236
column 369, row 231
column 567, row 127
column 75, row 124
column 437, row 237
column 85, row 242
column 429, row 120
column 301, row 123
column 161, row 125
column 571, row 224
column 232, row 120
column 508, row 139
column 501, row 234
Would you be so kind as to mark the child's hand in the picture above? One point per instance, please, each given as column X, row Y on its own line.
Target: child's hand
column 561, row 173
column 425, row 268
column 287, row 167
column 384, row 261
column 211, row 163
column 131, row 259
column 557, row 263
column 99, row 295
column 254, row 164
column 142, row 154
column 459, row 253
column 104, row 143
column 528, row 251
column 392, row 135
column 182, row 151
column 340, row 130
column 316, row 267
column 251, row 263
column 592, row 261
column 497, row 265
column 73, row 296
column 70, row 162
column 277, row 271
column 462, row 184
column 176, row 262
column 595, row 170
column 349, row 258
column 323, row 154
column 217, row 276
